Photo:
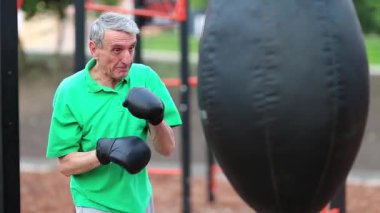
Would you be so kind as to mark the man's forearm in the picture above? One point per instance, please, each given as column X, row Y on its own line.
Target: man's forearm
column 78, row 162
column 163, row 138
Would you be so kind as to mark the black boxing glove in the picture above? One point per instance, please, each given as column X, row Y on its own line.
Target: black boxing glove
column 131, row 153
column 143, row 103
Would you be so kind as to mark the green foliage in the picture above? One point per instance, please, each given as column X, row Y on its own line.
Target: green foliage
column 32, row 7
column 373, row 49
column 369, row 15
column 198, row 5
column 168, row 40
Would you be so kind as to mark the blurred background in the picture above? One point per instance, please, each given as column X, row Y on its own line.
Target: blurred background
column 46, row 56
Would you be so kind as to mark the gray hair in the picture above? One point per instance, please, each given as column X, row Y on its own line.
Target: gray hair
column 111, row 21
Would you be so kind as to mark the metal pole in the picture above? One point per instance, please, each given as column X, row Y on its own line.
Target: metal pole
column 185, row 111
column 339, row 200
column 140, row 22
column 210, row 175
column 79, row 35
column 9, row 131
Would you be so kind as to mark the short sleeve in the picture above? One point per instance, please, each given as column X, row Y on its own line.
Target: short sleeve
column 171, row 114
column 65, row 131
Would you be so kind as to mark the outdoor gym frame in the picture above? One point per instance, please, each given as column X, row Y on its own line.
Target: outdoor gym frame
column 184, row 84
column 182, row 10
column 9, row 132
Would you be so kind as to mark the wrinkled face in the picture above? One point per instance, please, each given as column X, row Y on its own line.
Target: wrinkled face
column 115, row 57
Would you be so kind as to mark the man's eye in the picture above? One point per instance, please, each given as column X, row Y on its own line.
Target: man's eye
column 118, row 50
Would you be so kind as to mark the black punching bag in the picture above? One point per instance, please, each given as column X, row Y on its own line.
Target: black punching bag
column 283, row 93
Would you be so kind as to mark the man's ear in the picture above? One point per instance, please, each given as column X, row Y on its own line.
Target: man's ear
column 93, row 49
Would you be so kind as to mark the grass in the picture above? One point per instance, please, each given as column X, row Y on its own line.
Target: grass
column 170, row 69
column 373, row 49
column 168, row 40
column 34, row 65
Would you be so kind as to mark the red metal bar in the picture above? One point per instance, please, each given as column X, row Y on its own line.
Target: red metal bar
column 181, row 10
column 137, row 12
column 164, row 171
column 214, row 184
column 19, row 4
column 175, row 82
column 328, row 210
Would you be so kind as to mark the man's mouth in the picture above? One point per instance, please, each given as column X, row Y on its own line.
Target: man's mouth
column 124, row 69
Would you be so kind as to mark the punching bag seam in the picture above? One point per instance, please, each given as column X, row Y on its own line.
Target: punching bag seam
column 334, row 86
column 207, row 78
column 270, row 46
column 265, row 94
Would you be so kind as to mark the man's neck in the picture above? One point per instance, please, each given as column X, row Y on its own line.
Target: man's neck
column 101, row 78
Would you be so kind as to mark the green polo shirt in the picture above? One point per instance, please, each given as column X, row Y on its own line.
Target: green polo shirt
column 83, row 112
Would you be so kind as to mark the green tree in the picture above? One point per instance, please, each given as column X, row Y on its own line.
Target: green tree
column 32, row 7
column 58, row 7
column 369, row 15
column 198, row 5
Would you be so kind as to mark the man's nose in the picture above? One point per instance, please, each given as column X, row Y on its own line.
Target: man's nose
column 127, row 57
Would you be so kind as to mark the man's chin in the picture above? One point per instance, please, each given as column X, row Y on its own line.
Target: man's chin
column 121, row 75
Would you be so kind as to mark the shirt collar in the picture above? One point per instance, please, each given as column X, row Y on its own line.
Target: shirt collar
column 94, row 86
